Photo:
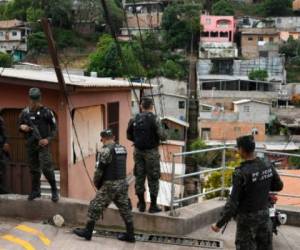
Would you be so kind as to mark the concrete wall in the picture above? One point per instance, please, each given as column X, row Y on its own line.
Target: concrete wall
column 223, row 130
column 167, row 94
column 258, row 113
column 274, row 66
column 251, row 44
column 288, row 23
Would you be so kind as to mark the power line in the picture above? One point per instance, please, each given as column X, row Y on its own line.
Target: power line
column 62, row 86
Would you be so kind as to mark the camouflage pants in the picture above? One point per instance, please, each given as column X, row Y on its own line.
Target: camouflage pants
column 111, row 191
column 40, row 161
column 254, row 231
column 147, row 165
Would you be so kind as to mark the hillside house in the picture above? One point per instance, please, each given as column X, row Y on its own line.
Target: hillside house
column 247, row 117
column 13, row 38
column 217, row 37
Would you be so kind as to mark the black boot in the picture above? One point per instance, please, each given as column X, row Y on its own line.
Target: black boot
column 54, row 192
column 36, row 188
column 86, row 232
column 54, row 195
column 153, row 207
column 129, row 235
column 141, row 203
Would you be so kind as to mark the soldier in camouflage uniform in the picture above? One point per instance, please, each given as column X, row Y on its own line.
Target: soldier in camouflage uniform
column 146, row 132
column 110, row 180
column 39, row 127
column 249, row 199
column 4, row 150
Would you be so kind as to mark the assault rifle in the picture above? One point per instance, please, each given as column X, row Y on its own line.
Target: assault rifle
column 34, row 134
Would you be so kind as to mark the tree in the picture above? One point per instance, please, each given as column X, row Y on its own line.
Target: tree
column 258, row 74
column 37, row 43
column 223, row 8
column 34, row 14
column 106, row 61
column 277, row 7
column 290, row 49
column 5, row 60
column 181, row 23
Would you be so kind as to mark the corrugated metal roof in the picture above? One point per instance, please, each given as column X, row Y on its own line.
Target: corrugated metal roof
column 8, row 24
column 175, row 120
column 248, row 100
column 72, row 80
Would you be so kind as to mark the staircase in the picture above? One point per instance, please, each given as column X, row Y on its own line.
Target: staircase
column 45, row 187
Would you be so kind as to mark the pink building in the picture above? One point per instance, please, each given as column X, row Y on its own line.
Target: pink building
column 97, row 103
column 218, row 29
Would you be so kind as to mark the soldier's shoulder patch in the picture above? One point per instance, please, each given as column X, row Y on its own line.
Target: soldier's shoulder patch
column 104, row 155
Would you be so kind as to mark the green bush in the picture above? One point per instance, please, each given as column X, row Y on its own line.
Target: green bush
column 172, row 70
column 258, row 74
column 37, row 42
column 214, row 180
column 223, row 8
column 5, row 60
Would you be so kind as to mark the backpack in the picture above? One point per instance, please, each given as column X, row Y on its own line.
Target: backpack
column 145, row 131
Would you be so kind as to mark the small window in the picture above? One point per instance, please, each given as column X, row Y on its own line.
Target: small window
column 271, row 39
column 223, row 34
column 1, row 33
column 250, row 38
column 14, row 33
column 208, row 21
column 181, row 104
column 205, row 34
column 261, row 38
column 205, row 133
column 214, row 34
column 247, row 108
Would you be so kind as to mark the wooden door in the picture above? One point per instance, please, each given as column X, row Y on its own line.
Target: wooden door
column 18, row 178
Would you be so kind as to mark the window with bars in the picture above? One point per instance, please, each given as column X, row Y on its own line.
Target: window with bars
column 113, row 118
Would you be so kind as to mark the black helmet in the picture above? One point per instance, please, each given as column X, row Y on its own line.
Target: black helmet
column 106, row 133
column 35, row 94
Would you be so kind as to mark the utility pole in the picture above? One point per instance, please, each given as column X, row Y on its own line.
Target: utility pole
column 62, row 86
column 192, row 184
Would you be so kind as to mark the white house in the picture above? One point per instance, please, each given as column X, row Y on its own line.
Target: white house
column 252, row 111
column 13, row 36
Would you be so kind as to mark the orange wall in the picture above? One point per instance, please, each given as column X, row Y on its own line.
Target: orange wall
column 222, row 130
column 78, row 184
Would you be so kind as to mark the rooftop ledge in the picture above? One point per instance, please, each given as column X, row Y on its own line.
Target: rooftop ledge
column 190, row 218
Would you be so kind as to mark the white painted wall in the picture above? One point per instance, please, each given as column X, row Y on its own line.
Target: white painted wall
column 89, row 123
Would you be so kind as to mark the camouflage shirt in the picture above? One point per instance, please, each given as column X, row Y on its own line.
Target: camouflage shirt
column 104, row 157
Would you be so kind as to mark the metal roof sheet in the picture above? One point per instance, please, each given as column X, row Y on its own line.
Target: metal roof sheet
column 72, row 80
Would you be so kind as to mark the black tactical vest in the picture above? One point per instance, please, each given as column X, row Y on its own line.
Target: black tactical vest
column 116, row 170
column 258, row 178
column 40, row 118
column 145, row 131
